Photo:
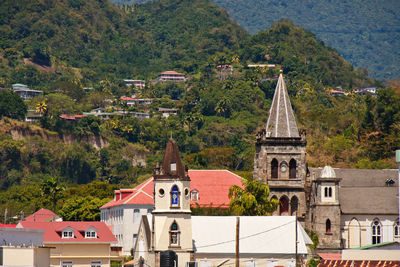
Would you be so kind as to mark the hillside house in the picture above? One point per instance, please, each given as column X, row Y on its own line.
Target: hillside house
column 24, row 92
column 171, row 76
column 137, row 101
column 166, row 112
column 140, row 84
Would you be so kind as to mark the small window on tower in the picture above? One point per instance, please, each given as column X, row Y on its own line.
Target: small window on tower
column 173, row 166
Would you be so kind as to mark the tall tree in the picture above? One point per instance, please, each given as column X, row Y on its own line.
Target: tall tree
column 53, row 190
column 11, row 105
column 253, row 200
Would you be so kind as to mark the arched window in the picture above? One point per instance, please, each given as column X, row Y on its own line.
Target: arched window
column 292, row 169
column 376, row 232
column 328, row 191
column 175, row 196
column 274, row 169
column 174, row 234
column 396, row 229
column 284, row 206
column 294, row 203
column 328, row 226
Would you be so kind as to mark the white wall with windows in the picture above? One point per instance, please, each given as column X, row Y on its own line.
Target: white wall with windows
column 363, row 230
column 124, row 221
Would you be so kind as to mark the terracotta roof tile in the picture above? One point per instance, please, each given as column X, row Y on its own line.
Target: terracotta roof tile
column 41, row 215
column 53, row 231
column 206, row 182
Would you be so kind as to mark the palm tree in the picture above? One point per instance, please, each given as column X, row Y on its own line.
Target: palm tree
column 53, row 190
column 41, row 107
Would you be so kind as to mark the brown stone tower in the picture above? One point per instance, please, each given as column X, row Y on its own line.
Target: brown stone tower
column 325, row 210
column 280, row 158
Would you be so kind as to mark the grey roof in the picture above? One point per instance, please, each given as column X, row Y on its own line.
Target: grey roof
column 364, row 191
column 281, row 122
column 266, row 235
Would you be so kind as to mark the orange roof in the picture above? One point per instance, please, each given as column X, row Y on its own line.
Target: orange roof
column 126, row 98
column 330, row 256
column 53, row 231
column 206, row 182
column 41, row 215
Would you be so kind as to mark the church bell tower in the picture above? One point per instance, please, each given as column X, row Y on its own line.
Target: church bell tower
column 280, row 159
column 172, row 226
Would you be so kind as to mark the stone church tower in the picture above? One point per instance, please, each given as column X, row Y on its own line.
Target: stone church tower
column 172, row 226
column 325, row 209
column 280, row 158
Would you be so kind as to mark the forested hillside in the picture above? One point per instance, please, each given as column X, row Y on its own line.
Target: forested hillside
column 64, row 46
column 366, row 33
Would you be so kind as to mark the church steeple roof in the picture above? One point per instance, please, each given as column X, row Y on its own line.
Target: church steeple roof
column 172, row 165
column 281, row 122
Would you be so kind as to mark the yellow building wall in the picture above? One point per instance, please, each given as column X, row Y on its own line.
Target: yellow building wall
column 82, row 254
column 29, row 256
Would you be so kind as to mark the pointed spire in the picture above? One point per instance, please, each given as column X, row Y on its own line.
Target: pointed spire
column 281, row 122
column 172, row 165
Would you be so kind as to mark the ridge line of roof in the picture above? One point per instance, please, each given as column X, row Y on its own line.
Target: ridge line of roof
column 134, row 194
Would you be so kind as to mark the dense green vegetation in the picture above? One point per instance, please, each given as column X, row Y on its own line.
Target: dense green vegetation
column 365, row 34
column 219, row 112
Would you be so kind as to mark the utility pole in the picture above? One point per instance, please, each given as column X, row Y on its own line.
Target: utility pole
column 398, row 162
column 237, row 241
column 5, row 216
column 295, row 230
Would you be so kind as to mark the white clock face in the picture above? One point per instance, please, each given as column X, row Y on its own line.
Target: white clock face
column 283, row 168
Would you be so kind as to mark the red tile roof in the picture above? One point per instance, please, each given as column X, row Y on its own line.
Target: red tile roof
column 71, row 117
column 126, row 98
column 42, row 215
column 330, row 256
column 206, row 182
column 357, row 263
column 8, row 225
column 53, row 231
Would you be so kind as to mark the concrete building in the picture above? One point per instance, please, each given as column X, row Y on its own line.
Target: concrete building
column 23, row 247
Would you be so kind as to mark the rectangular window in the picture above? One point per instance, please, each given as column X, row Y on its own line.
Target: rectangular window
column 66, row 264
column 205, row 263
column 173, row 166
column 95, row 264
